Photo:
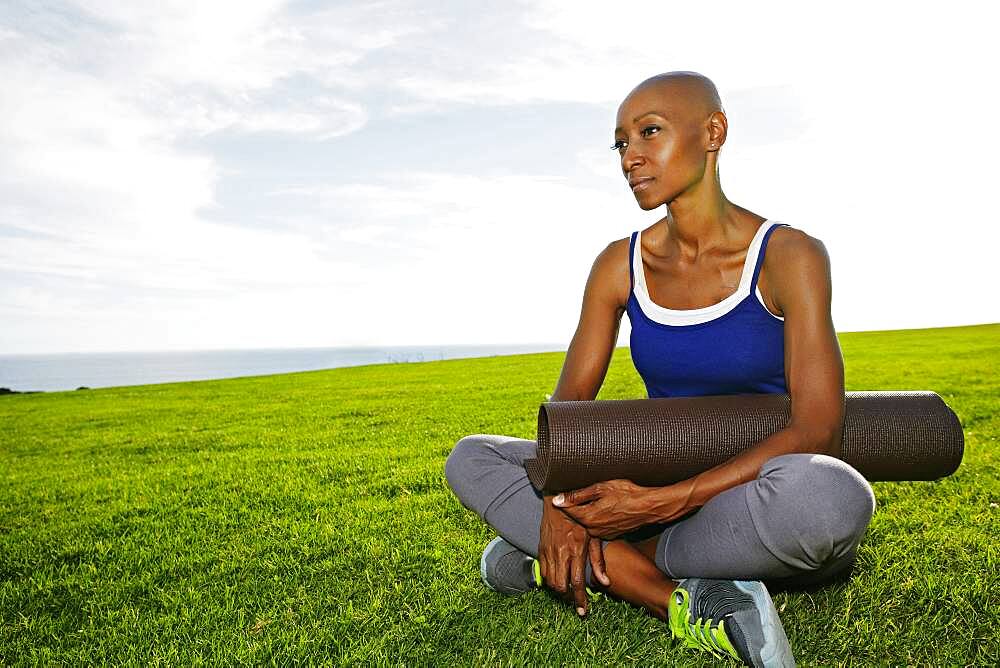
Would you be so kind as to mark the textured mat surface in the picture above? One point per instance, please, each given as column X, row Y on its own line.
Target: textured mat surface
column 888, row 435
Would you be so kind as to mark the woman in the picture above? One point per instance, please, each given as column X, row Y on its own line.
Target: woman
column 749, row 312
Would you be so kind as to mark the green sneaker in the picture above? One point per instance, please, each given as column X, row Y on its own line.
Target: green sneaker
column 730, row 618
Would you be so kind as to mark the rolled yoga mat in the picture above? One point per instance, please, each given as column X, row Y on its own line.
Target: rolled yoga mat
column 888, row 435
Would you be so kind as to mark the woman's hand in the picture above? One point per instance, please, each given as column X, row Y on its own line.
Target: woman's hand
column 612, row 508
column 563, row 548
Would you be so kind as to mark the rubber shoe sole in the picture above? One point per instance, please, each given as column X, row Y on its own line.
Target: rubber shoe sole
column 776, row 652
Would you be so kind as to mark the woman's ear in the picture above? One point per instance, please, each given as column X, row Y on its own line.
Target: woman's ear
column 718, row 127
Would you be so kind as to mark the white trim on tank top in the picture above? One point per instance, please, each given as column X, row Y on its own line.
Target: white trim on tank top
column 695, row 316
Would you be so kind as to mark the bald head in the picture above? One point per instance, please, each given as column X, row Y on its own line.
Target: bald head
column 682, row 97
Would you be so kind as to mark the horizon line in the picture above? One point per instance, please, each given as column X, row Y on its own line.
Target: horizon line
column 401, row 345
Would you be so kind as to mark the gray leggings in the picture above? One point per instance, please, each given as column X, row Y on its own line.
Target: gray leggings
column 799, row 522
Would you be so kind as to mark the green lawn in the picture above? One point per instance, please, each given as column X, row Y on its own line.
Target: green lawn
column 304, row 518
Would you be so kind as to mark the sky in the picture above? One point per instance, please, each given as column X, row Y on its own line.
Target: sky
column 263, row 174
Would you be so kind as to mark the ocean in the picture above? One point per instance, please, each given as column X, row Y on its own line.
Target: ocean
column 69, row 371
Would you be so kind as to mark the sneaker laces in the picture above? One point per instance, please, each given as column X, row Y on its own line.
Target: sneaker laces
column 699, row 632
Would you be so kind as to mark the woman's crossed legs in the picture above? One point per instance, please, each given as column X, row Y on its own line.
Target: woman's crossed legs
column 799, row 522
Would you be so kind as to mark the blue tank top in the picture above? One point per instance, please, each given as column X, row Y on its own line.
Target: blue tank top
column 735, row 346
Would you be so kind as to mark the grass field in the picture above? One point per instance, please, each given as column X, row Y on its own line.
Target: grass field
column 304, row 518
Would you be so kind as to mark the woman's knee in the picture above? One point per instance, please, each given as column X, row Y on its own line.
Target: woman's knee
column 461, row 462
column 817, row 502
column 485, row 469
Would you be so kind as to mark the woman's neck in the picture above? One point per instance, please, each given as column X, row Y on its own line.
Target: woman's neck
column 699, row 227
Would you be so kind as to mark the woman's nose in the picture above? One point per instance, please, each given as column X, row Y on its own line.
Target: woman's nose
column 630, row 159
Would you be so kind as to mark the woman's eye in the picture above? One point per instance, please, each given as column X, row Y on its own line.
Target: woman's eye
column 621, row 143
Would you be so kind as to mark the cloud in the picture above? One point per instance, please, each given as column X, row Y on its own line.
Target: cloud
column 171, row 171
column 103, row 190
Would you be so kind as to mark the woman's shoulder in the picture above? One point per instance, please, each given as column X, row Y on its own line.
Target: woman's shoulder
column 620, row 247
column 787, row 243
column 611, row 268
column 793, row 258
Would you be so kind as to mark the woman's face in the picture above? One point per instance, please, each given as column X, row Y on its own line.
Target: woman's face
column 662, row 152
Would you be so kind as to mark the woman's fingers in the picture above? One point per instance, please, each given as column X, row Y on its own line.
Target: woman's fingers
column 597, row 561
column 560, row 573
column 563, row 561
column 579, row 582
column 552, row 575
column 577, row 496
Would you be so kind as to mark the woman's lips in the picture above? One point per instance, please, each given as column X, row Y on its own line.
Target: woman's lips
column 641, row 184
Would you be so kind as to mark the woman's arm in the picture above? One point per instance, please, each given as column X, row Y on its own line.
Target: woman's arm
column 593, row 343
column 563, row 545
column 814, row 372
